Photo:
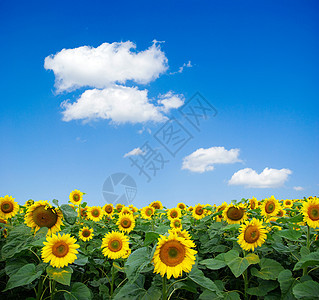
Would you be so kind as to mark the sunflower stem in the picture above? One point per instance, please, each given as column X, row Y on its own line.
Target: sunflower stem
column 245, row 275
column 112, row 282
column 305, row 269
column 164, row 288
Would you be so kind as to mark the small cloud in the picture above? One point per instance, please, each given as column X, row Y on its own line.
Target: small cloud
column 170, row 101
column 78, row 139
column 181, row 69
column 144, row 129
column 203, row 160
column 134, row 152
column 268, row 178
column 298, row 188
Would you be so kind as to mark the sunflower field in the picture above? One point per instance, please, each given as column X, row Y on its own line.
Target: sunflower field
column 247, row 249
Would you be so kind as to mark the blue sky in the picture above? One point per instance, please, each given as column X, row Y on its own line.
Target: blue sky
column 255, row 62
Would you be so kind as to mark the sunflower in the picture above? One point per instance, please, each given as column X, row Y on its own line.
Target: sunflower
column 43, row 214
column 288, row 203
column 221, row 207
column 8, row 207
column 76, row 197
column 176, row 223
column 86, row 234
column 281, row 213
column 270, row 207
column 181, row 233
column 133, row 208
column 199, row 212
column 60, row 250
column 118, row 207
column 173, row 255
column 253, row 203
column 252, row 234
column 108, row 209
column 115, row 245
column 190, row 208
column 127, row 254
column 29, row 203
column 83, row 212
column 157, row 204
column 272, row 226
column 310, row 210
column 235, row 214
column 147, row 212
column 174, row 213
column 126, row 210
column 181, row 206
column 126, row 222
column 95, row 213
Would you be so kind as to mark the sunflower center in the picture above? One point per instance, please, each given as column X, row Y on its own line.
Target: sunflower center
column 280, row 213
column 199, row 211
column 83, row 212
column 95, row 213
column 235, row 213
column 149, row 212
column 270, row 207
column 126, row 223
column 44, row 217
column 115, row 245
column 251, row 234
column 60, row 249
column 174, row 214
column 252, row 205
column 313, row 213
column 288, row 202
column 108, row 209
column 86, row 233
column 7, row 207
column 177, row 224
column 172, row 253
column 76, row 198
column 156, row 206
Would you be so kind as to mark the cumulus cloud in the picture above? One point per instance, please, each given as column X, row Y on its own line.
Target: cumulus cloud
column 203, row 160
column 298, row 188
column 120, row 104
column 136, row 151
column 105, row 65
column 268, row 178
column 170, row 101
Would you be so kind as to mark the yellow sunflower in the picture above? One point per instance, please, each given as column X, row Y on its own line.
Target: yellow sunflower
column 252, row 234
column 8, row 207
column 126, row 222
column 253, row 203
column 235, row 214
column 270, row 207
column 181, row 233
column 76, row 197
column 147, row 212
column 60, row 250
column 173, row 255
column 181, row 206
column 288, row 203
column 118, row 207
column 198, row 212
column 133, row 208
column 281, row 213
column 86, row 234
column 190, row 208
column 126, row 210
column 43, row 214
column 221, row 207
column 176, row 223
column 108, row 209
column 95, row 213
column 174, row 213
column 29, row 203
column 157, row 204
column 115, row 245
column 310, row 210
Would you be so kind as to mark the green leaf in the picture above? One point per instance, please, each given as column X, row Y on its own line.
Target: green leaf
column 289, row 234
column 295, row 219
column 287, row 282
column 24, row 276
column 306, row 290
column 61, row 275
column 231, row 227
column 138, row 259
column 55, row 202
column 198, row 277
column 311, row 259
column 150, row 237
column 81, row 260
column 304, row 251
column 263, row 289
column 13, row 265
column 69, row 213
column 237, row 264
column 214, row 263
column 79, row 291
column 208, row 295
column 270, row 269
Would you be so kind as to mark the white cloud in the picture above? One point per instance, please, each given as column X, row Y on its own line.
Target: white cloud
column 170, row 101
column 268, row 178
column 298, row 188
column 119, row 104
column 203, row 160
column 136, row 151
column 105, row 65
column 181, row 69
